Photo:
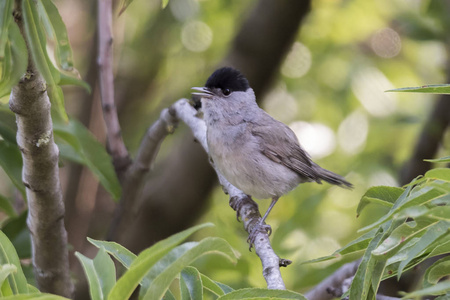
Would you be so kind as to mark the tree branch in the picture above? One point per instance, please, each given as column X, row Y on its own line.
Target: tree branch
column 40, row 175
column 334, row 285
column 119, row 152
column 246, row 208
column 135, row 175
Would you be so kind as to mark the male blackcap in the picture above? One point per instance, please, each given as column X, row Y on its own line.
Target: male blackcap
column 256, row 153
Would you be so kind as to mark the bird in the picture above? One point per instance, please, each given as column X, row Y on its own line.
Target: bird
column 256, row 153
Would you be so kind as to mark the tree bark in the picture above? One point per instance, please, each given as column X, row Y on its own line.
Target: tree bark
column 30, row 103
column 119, row 152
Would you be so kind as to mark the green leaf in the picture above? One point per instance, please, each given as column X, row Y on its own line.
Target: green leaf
column 56, row 30
column 382, row 195
column 6, row 206
column 16, row 230
column 6, row 8
column 213, row 286
column 122, row 254
column 410, row 197
column 438, row 247
column 33, row 290
column 225, row 288
column 169, row 296
column 100, row 272
column 261, row 294
column 124, row 5
column 11, row 162
column 432, row 234
column 37, row 43
column 443, row 296
column 437, row 271
column 431, row 89
column 164, row 3
column 15, row 60
column 437, row 289
column 8, row 255
column 439, row 160
column 89, row 151
column 191, row 285
column 361, row 284
column 439, row 174
column 71, row 80
column 354, row 246
column 5, row 271
column 403, row 233
column 377, row 274
column 145, row 260
column 35, row 296
column 8, row 127
column 165, row 270
column 440, row 213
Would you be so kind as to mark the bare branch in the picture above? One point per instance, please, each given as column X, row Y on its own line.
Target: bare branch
column 134, row 178
column 334, row 285
column 246, row 208
column 40, row 175
column 119, row 152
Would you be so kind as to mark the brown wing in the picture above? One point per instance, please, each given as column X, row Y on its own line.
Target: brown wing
column 279, row 143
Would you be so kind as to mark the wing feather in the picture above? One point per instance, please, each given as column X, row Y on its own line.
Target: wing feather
column 280, row 144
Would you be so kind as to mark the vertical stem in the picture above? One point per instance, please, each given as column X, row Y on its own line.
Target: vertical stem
column 40, row 175
column 116, row 145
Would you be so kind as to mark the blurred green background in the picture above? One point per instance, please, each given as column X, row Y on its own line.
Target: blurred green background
column 330, row 89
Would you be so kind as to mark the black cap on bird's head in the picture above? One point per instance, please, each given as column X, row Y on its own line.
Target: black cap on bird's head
column 226, row 80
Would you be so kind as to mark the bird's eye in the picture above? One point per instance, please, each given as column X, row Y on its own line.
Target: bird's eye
column 226, row 92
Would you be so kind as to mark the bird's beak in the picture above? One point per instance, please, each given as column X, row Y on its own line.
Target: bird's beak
column 204, row 92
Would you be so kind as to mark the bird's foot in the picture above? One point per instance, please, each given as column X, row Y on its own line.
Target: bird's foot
column 258, row 228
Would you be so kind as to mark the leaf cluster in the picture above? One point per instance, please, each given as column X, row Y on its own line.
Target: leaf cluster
column 415, row 228
column 44, row 27
column 152, row 271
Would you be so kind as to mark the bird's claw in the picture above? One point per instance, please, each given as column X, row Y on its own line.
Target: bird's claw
column 258, row 228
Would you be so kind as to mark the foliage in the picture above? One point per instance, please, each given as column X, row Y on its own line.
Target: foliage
column 341, row 57
column 415, row 228
column 153, row 270
column 431, row 88
column 43, row 25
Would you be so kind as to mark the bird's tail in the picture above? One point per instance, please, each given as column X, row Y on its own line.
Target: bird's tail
column 333, row 178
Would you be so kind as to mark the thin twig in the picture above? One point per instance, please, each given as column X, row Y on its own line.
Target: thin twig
column 119, row 152
column 40, row 175
column 246, row 208
column 135, row 175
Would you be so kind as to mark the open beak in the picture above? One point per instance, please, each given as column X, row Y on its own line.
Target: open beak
column 204, row 92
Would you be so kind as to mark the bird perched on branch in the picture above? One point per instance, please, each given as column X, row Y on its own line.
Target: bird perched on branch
column 256, row 153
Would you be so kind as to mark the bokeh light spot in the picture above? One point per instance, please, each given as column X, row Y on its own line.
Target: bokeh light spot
column 382, row 178
column 352, row 132
column 386, row 43
column 281, row 105
column 369, row 86
column 196, row 36
column 316, row 138
column 182, row 10
column 298, row 61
